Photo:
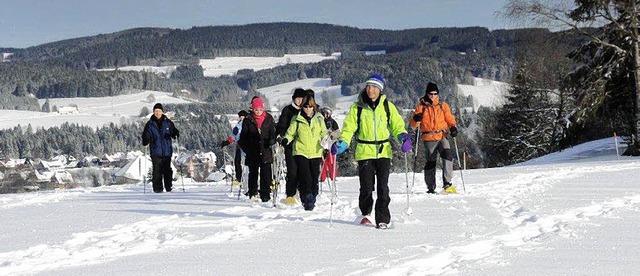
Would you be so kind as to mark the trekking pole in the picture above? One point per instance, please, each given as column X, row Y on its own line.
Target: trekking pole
column 459, row 165
column 334, row 192
column 144, row 176
column 274, row 174
column 415, row 156
column 615, row 140
column 224, row 168
column 181, row 165
column 408, row 211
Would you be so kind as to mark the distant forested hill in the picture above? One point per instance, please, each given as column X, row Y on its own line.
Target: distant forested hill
column 412, row 58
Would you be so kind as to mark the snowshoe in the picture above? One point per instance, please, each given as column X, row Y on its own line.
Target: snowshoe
column 450, row 190
column 290, row 201
column 365, row 221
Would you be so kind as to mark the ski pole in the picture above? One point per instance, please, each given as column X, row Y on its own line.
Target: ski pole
column 408, row 211
column 459, row 165
column 415, row 157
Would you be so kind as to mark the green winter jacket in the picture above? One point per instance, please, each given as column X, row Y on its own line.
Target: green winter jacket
column 306, row 136
column 373, row 135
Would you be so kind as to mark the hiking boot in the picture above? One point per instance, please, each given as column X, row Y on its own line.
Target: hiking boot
column 235, row 183
column 431, row 192
column 308, row 206
column 383, row 225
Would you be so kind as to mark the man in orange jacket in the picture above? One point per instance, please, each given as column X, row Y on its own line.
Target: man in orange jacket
column 436, row 122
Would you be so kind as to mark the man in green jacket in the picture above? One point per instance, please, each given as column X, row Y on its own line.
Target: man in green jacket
column 373, row 120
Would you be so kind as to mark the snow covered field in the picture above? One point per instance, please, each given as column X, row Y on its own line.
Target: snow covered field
column 230, row 65
column 576, row 212
column 93, row 112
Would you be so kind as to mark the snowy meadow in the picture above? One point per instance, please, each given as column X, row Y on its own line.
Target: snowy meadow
column 573, row 212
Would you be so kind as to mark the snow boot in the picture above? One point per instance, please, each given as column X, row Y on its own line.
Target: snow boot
column 383, row 225
column 310, row 202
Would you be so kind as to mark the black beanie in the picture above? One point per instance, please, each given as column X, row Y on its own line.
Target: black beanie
column 158, row 106
column 431, row 87
column 243, row 113
column 310, row 93
column 298, row 93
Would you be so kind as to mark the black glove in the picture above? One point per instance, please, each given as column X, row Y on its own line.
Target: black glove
column 417, row 117
column 176, row 136
column 453, row 131
column 224, row 143
column 284, row 142
column 145, row 140
column 167, row 136
column 426, row 100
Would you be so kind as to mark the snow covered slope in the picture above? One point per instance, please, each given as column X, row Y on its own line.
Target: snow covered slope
column 488, row 93
column 555, row 217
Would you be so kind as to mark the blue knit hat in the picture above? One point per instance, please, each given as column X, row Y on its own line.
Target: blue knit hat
column 376, row 80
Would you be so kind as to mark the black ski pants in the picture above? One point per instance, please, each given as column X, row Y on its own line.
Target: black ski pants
column 292, row 171
column 162, row 170
column 237, row 162
column 308, row 172
column 369, row 171
column 265, row 180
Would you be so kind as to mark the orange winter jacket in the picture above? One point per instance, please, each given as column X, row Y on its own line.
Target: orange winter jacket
column 436, row 120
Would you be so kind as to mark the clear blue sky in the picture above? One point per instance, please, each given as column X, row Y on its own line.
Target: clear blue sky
column 25, row 23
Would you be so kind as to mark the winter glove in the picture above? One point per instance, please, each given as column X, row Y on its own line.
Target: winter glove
column 417, row 117
column 426, row 100
column 284, row 142
column 235, row 131
column 224, row 143
column 145, row 139
column 453, row 131
column 406, row 142
column 341, row 146
column 334, row 149
column 176, row 136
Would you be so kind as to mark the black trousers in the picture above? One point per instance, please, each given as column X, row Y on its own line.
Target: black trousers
column 162, row 170
column 369, row 171
column 265, row 180
column 292, row 171
column 308, row 172
column 237, row 162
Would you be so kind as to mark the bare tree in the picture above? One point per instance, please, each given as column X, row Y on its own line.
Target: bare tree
column 611, row 57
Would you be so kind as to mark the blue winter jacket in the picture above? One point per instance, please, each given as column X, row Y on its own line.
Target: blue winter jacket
column 159, row 138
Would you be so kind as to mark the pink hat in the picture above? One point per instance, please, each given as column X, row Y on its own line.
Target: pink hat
column 257, row 103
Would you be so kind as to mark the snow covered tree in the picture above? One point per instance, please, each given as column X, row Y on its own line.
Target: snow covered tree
column 525, row 127
column 608, row 79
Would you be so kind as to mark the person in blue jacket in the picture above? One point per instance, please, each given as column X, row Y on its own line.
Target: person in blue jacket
column 158, row 133
column 235, row 136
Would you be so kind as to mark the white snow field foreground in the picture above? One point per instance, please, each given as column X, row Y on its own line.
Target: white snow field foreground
column 575, row 213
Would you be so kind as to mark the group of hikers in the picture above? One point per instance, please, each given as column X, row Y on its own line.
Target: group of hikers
column 311, row 139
